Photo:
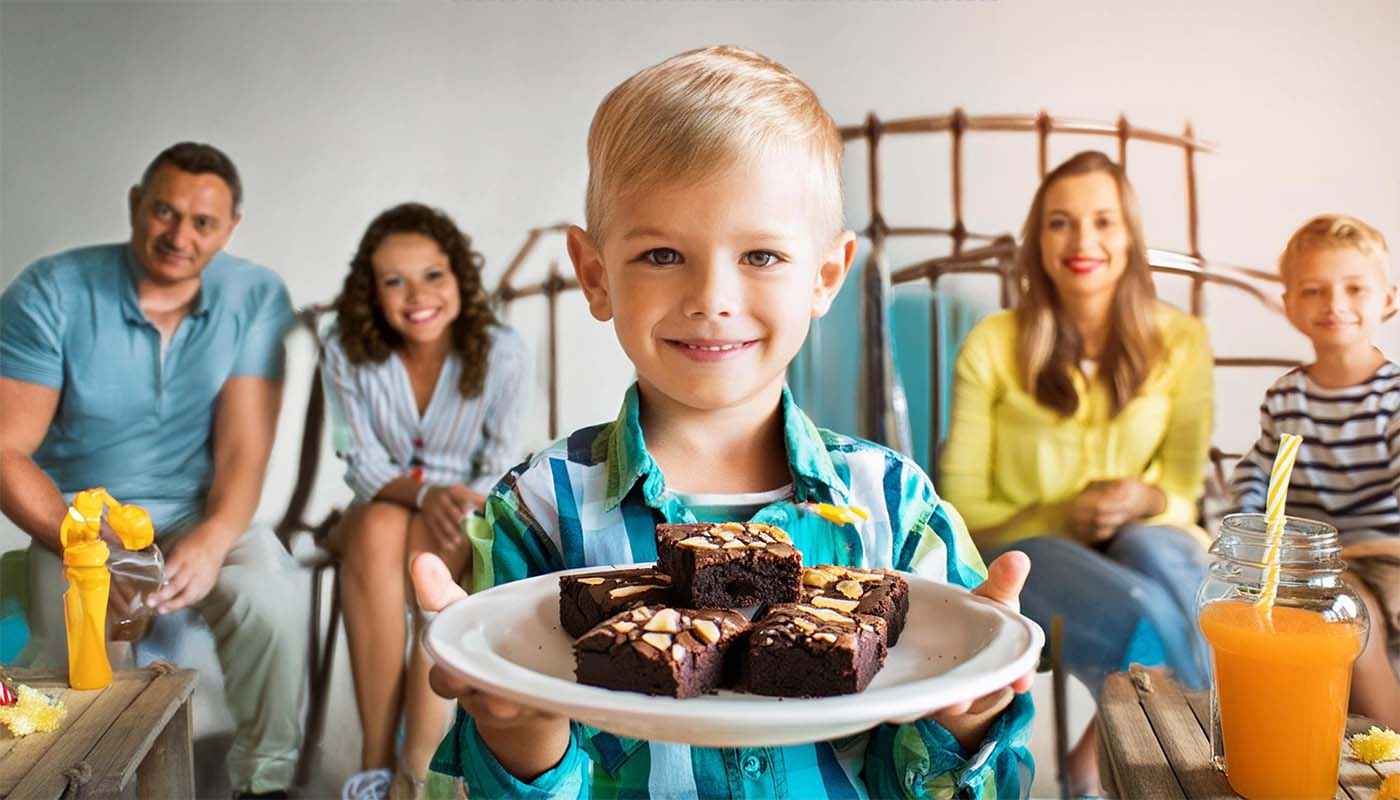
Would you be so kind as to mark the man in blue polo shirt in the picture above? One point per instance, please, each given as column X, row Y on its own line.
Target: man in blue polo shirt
column 153, row 368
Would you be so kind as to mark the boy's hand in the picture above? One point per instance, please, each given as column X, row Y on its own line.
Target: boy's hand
column 968, row 721
column 525, row 741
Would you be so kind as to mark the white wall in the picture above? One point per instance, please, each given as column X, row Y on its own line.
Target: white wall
column 334, row 112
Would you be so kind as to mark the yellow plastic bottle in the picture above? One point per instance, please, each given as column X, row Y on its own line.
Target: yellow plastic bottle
column 85, row 566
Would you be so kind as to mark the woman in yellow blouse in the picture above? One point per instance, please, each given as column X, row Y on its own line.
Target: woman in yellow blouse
column 1080, row 428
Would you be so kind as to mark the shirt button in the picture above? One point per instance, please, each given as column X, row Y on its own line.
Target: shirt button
column 754, row 766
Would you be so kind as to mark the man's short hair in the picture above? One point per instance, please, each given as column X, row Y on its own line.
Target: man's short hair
column 1333, row 231
column 199, row 159
column 698, row 112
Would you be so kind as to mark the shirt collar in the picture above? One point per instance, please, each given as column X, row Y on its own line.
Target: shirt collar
column 131, row 304
column 627, row 461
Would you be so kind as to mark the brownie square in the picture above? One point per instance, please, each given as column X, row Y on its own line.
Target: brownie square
column 729, row 564
column 799, row 650
column 852, row 590
column 586, row 599
column 659, row 650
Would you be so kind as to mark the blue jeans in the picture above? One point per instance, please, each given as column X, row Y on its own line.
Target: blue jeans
column 1134, row 600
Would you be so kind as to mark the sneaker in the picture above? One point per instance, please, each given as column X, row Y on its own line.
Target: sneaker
column 372, row 784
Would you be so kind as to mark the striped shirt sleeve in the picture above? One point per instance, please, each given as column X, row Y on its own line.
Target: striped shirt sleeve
column 508, row 403
column 1250, row 481
column 369, row 466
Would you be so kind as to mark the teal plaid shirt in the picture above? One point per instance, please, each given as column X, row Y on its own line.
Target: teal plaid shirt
column 595, row 498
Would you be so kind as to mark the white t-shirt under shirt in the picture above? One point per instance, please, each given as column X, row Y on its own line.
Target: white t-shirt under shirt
column 732, row 507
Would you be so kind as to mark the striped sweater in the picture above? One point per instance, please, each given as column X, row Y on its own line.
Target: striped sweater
column 1348, row 468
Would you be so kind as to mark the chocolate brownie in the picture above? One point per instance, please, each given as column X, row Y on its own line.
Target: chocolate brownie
column 586, row 599
column 800, row 650
column 729, row 564
column 859, row 591
column 659, row 650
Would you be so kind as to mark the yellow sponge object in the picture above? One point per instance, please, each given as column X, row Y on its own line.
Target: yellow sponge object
column 35, row 712
column 1377, row 744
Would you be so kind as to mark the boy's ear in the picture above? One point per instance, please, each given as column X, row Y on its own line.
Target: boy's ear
column 835, row 266
column 588, row 268
column 1389, row 304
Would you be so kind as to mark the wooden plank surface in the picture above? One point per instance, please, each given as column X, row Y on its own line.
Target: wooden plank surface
column 1180, row 735
column 168, row 769
column 45, row 779
column 1359, row 780
column 1138, row 765
column 117, row 754
column 25, row 751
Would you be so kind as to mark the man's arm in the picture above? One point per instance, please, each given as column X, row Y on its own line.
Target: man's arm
column 27, row 496
column 245, row 423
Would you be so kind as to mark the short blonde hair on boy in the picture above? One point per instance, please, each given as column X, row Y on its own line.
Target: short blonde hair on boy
column 1332, row 231
column 691, row 115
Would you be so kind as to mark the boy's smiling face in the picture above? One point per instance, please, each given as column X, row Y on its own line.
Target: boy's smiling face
column 713, row 284
column 1337, row 296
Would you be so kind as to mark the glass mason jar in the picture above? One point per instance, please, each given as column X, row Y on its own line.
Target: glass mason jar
column 1282, row 677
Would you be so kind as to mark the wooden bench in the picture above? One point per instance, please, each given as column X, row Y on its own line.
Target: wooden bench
column 130, row 739
column 1153, row 743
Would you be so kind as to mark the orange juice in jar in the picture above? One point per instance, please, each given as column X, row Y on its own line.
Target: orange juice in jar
column 1283, row 675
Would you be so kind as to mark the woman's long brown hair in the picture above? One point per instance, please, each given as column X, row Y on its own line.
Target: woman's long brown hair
column 365, row 333
column 1049, row 345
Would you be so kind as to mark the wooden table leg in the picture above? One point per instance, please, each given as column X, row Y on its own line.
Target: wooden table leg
column 168, row 769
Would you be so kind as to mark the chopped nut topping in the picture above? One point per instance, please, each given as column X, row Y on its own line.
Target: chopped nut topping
column 782, row 536
column 806, row 625
column 677, row 653
column 732, row 527
column 628, row 591
column 734, row 544
column 667, row 620
column 641, row 614
column 826, row 614
column 816, row 577
column 706, row 631
column 824, row 636
column 623, row 626
column 822, row 601
column 698, row 542
column 850, row 589
column 724, row 536
column 660, row 641
column 865, row 577
column 590, row 581
column 766, row 538
column 757, row 545
column 866, row 626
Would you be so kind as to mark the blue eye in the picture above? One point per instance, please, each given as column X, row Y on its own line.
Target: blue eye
column 760, row 258
column 662, row 257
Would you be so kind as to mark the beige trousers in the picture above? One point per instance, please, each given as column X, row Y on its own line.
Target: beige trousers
column 257, row 612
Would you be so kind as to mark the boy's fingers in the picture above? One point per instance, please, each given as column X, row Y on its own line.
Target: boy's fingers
column 1005, row 577
column 433, row 584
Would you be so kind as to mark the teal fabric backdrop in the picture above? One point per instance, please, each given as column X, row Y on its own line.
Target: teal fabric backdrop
column 825, row 377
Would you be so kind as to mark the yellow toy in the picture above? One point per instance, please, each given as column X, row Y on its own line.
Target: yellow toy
column 32, row 712
column 841, row 515
column 85, row 566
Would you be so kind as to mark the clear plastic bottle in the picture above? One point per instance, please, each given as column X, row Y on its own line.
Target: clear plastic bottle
column 135, row 575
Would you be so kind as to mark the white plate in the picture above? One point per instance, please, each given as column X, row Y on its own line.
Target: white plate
column 508, row 641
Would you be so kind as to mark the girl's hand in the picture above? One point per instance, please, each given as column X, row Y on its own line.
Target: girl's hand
column 444, row 508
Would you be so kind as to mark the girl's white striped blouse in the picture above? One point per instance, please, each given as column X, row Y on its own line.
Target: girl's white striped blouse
column 457, row 439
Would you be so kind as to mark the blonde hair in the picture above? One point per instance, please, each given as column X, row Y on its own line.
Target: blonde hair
column 1049, row 345
column 1332, row 231
column 698, row 112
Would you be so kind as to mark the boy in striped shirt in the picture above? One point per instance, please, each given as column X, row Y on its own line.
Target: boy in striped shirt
column 714, row 238
column 1346, row 406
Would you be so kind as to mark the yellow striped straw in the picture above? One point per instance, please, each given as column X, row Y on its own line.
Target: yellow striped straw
column 1273, row 516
